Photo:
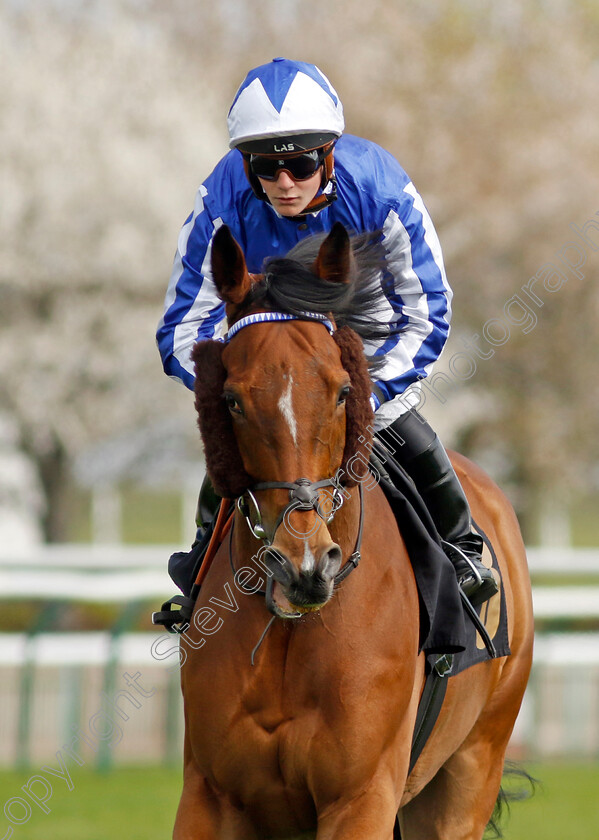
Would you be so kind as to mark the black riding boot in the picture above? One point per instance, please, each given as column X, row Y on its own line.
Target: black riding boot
column 416, row 447
column 183, row 566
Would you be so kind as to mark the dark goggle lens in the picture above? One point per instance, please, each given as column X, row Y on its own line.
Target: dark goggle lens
column 300, row 167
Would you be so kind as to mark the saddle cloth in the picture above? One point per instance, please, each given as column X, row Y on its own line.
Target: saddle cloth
column 445, row 626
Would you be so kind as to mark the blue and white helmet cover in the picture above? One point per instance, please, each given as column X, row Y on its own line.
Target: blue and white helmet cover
column 284, row 98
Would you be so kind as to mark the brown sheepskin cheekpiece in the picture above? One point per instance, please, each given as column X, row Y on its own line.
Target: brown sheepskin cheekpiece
column 223, row 460
column 359, row 417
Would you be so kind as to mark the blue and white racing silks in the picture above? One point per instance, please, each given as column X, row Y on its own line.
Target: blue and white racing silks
column 373, row 193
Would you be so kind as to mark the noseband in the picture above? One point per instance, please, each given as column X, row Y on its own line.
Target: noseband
column 303, row 495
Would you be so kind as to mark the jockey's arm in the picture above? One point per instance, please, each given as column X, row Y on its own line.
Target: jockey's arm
column 192, row 309
column 419, row 299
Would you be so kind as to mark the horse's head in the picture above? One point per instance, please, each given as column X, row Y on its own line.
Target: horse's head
column 282, row 406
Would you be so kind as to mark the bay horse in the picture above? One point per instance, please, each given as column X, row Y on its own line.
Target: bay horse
column 308, row 734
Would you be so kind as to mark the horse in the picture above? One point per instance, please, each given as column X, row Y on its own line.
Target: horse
column 299, row 724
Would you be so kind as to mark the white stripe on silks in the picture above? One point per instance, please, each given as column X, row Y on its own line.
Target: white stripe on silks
column 398, row 248
column 186, row 331
column 431, row 239
column 177, row 271
column 171, row 292
column 409, row 287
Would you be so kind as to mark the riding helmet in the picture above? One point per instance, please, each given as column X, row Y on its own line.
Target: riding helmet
column 285, row 107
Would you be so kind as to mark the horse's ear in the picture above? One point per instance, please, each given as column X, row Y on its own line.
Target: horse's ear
column 335, row 260
column 228, row 267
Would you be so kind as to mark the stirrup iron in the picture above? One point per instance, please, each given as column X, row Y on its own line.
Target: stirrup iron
column 477, row 586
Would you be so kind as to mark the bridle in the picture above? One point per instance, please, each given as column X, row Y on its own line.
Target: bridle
column 271, row 317
column 304, row 495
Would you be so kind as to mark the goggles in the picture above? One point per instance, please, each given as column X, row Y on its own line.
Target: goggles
column 300, row 167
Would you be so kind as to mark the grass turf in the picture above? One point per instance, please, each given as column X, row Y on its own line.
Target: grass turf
column 140, row 804
column 136, row 803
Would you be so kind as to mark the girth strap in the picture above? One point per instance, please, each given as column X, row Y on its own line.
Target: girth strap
column 430, row 704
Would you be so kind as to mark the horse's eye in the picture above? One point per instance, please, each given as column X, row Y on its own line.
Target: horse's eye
column 343, row 394
column 233, row 405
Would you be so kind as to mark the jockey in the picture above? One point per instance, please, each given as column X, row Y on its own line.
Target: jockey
column 292, row 173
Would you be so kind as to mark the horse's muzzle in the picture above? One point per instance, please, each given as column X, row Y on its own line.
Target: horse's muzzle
column 305, row 589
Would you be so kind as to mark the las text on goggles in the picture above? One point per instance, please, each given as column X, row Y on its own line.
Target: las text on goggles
column 300, row 167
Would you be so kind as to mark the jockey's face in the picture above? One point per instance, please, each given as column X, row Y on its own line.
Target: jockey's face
column 290, row 197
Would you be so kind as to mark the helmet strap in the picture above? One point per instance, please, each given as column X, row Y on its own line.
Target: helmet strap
column 319, row 202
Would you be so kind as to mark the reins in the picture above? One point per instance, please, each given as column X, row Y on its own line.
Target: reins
column 222, row 526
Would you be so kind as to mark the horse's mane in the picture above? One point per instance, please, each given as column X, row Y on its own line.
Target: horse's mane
column 290, row 285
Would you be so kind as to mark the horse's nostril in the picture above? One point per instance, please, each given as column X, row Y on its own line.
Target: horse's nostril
column 330, row 561
column 280, row 566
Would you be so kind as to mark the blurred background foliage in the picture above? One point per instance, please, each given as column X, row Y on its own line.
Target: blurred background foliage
column 113, row 111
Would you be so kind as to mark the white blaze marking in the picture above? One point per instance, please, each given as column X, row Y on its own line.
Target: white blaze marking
column 286, row 407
